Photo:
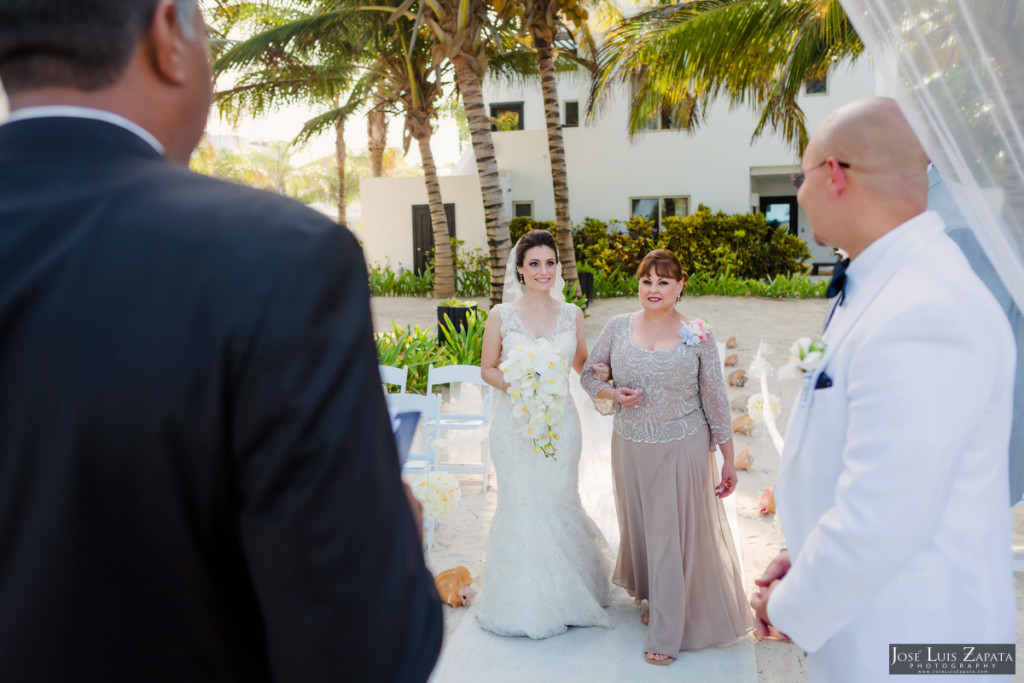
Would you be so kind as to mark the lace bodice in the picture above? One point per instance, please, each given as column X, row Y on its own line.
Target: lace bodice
column 682, row 386
column 563, row 336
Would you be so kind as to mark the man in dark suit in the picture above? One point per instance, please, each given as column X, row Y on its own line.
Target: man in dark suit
column 198, row 480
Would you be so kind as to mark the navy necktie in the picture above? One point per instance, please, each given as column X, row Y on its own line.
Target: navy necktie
column 836, row 289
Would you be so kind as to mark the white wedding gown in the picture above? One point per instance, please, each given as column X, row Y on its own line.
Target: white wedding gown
column 545, row 568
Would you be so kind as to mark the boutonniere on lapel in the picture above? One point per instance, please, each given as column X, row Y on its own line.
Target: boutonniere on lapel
column 805, row 355
column 694, row 332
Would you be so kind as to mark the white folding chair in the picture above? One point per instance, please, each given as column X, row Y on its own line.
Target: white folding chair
column 422, row 457
column 389, row 374
column 478, row 422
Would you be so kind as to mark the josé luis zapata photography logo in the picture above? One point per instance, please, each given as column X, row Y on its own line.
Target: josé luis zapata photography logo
column 952, row 659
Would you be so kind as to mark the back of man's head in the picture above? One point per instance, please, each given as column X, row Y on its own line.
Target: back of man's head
column 80, row 44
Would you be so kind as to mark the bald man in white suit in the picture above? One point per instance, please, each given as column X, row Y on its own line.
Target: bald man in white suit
column 892, row 488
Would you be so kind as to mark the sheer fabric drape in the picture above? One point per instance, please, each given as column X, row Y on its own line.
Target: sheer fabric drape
column 956, row 67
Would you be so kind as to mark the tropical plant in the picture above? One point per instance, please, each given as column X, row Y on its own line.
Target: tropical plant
column 676, row 58
column 413, row 347
column 545, row 21
column 386, row 282
column 462, row 32
column 379, row 55
column 464, row 344
column 277, row 65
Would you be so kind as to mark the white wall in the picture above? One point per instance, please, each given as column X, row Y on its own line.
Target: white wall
column 387, row 204
column 717, row 166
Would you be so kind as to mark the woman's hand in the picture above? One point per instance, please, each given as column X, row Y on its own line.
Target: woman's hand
column 626, row 397
column 602, row 371
column 729, row 480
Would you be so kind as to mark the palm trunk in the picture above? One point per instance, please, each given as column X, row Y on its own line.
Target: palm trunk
column 469, row 83
column 377, row 131
column 339, row 160
column 556, row 150
column 444, row 268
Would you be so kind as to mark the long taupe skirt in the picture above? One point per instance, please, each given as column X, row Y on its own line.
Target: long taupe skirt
column 676, row 549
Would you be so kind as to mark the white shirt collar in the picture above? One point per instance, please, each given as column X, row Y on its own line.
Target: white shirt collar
column 867, row 261
column 75, row 112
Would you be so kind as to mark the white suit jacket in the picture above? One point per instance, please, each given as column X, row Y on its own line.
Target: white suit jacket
column 892, row 489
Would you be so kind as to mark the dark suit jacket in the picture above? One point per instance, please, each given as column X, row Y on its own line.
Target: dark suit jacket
column 198, row 480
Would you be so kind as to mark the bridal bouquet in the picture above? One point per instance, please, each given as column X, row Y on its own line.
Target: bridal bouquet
column 538, row 383
column 438, row 492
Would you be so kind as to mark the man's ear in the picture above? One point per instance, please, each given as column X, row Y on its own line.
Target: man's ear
column 167, row 44
column 836, row 177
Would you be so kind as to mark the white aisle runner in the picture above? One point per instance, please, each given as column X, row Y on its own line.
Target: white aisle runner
column 589, row 655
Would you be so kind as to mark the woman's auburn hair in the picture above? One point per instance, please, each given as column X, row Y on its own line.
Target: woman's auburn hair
column 662, row 263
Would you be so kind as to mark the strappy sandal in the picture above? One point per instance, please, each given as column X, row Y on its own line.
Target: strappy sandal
column 658, row 662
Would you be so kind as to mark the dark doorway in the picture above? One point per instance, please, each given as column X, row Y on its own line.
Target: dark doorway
column 781, row 211
column 423, row 234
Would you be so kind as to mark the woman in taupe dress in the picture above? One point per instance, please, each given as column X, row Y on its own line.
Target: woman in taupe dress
column 670, row 407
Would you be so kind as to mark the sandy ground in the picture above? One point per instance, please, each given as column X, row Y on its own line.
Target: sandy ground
column 461, row 538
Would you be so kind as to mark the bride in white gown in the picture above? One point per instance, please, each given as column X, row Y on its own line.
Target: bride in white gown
column 545, row 568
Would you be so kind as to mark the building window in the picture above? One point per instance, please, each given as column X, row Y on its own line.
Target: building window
column 657, row 209
column 816, row 86
column 572, row 114
column 524, row 209
column 507, row 116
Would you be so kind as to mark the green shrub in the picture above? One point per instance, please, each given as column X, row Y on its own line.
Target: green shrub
column 586, row 235
column 419, row 349
column 608, row 285
column 743, row 245
column 414, row 347
column 463, row 346
column 385, row 282
column 781, row 287
column 520, row 225
column 472, row 275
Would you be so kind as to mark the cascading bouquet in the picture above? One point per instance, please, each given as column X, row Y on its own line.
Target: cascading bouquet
column 538, row 383
column 438, row 492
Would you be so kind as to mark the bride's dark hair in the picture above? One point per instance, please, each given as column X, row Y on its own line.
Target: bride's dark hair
column 534, row 238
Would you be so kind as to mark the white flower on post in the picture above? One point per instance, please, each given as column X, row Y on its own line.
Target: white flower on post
column 438, row 492
column 761, row 409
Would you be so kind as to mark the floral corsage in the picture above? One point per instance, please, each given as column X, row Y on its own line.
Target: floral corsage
column 805, row 355
column 694, row 332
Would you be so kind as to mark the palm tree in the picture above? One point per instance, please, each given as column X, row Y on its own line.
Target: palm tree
column 678, row 57
column 461, row 33
column 274, row 72
column 416, row 86
column 386, row 69
column 545, row 20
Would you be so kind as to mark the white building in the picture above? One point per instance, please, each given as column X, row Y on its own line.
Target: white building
column 663, row 172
